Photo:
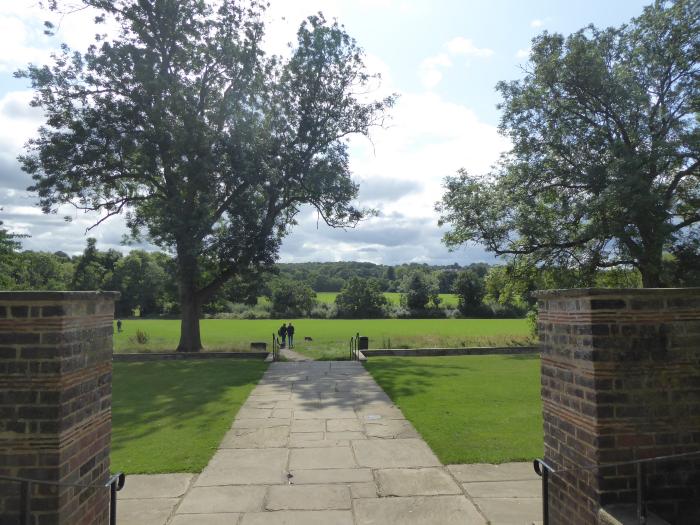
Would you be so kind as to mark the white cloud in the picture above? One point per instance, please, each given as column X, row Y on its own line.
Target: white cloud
column 431, row 69
column 537, row 23
column 400, row 173
column 464, row 46
column 522, row 53
column 24, row 41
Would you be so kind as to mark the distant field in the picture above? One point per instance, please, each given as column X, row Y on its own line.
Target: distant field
column 448, row 299
column 330, row 337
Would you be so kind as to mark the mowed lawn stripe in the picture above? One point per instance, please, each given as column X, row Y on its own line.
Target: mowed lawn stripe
column 169, row 416
column 329, row 336
column 469, row 409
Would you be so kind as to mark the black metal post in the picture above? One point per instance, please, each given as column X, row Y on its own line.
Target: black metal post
column 545, row 496
column 641, row 506
column 542, row 469
column 115, row 484
column 25, row 497
column 113, row 503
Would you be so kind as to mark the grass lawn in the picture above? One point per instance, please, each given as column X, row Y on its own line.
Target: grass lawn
column 330, row 336
column 170, row 416
column 469, row 409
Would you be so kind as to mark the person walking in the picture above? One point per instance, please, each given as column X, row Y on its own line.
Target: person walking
column 290, row 334
column 282, row 332
column 119, row 325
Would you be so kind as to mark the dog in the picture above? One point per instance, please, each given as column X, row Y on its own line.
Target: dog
column 307, row 338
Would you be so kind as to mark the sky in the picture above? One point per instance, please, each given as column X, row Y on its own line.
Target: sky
column 442, row 57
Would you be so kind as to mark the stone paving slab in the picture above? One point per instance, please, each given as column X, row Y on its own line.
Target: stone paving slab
column 328, row 457
column 245, row 467
column 421, row 510
column 511, row 511
column 308, row 497
column 299, row 517
column 504, row 489
column 226, row 499
column 262, row 437
column 394, row 453
column 416, row 482
column 390, row 428
column 153, row 511
column 150, row 486
column 488, row 472
column 319, row 443
column 205, row 519
column 334, row 475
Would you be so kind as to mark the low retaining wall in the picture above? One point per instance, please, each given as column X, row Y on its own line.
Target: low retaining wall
column 172, row 356
column 427, row 352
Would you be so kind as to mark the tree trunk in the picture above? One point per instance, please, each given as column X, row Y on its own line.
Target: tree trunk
column 190, row 339
column 650, row 266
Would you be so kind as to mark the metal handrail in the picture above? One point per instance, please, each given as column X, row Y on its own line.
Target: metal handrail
column 115, row 483
column 275, row 348
column 544, row 470
column 355, row 347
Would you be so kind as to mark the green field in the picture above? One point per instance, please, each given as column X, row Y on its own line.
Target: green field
column 469, row 409
column 169, row 416
column 330, row 337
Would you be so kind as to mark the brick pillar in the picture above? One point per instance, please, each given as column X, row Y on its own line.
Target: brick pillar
column 621, row 381
column 55, row 402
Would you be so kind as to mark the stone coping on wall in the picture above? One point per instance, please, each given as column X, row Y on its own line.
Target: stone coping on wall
column 428, row 352
column 56, row 296
column 172, row 356
column 581, row 292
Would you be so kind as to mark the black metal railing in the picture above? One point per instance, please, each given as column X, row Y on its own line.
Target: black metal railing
column 115, row 483
column 547, row 472
column 355, row 347
column 275, row 348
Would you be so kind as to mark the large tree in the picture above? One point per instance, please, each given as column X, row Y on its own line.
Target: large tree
column 605, row 164
column 208, row 145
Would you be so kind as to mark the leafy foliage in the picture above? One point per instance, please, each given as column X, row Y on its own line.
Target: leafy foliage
column 8, row 246
column 209, row 146
column 420, row 290
column 361, row 298
column 470, row 289
column 604, row 169
column 292, row 298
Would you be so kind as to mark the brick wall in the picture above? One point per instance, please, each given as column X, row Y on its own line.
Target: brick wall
column 621, row 381
column 55, row 402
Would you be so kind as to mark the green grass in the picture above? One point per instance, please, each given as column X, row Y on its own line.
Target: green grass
column 448, row 299
column 330, row 336
column 170, row 416
column 469, row 409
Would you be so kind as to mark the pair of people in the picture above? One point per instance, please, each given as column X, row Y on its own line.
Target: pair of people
column 287, row 332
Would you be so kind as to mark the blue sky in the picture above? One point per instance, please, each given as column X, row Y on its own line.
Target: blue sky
column 443, row 57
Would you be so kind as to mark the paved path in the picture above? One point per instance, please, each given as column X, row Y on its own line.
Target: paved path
column 321, row 443
column 291, row 355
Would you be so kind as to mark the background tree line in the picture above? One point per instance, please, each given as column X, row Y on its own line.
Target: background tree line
column 148, row 284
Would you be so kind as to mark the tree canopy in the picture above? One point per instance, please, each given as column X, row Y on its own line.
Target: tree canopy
column 361, row 298
column 605, row 165
column 209, row 146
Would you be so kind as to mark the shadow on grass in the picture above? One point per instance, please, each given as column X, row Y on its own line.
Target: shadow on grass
column 392, row 374
column 153, row 397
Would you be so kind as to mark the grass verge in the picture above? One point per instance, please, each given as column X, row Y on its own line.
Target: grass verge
column 469, row 409
column 329, row 337
column 169, row 416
